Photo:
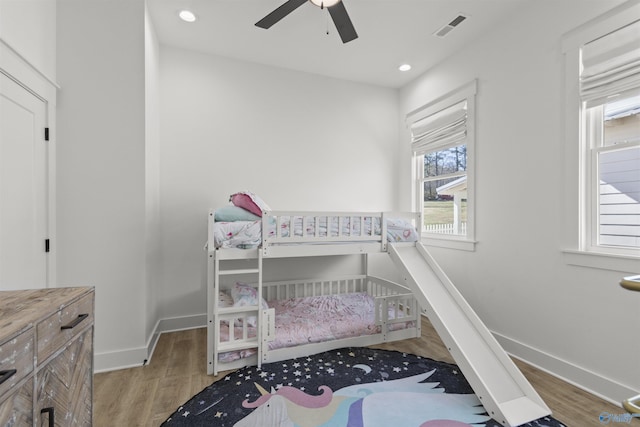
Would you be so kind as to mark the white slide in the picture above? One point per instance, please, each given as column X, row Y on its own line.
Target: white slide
column 505, row 393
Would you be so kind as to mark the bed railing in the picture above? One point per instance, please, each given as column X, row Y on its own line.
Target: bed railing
column 394, row 307
column 300, row 227
column 365, row 231
column 316, row 227
column 314, row 287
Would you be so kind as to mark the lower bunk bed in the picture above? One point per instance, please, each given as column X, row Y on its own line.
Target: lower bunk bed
column 302, row 317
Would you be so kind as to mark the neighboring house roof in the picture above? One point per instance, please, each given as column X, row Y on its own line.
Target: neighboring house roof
column 454, row 187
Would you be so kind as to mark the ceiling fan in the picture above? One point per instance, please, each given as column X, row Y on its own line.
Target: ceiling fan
column 336, row 9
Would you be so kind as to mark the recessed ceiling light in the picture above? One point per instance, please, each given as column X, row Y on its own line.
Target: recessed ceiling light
column 404, row 67
column 187, row 16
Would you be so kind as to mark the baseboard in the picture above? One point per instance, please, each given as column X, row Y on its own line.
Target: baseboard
column 582, row 378
column 121, row 359
column 182, row 323
column 134, row 357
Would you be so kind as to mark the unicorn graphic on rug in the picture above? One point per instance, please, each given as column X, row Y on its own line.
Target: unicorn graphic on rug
column 378, row 404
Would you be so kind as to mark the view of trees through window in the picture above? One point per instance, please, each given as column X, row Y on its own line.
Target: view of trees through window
column 445, row 191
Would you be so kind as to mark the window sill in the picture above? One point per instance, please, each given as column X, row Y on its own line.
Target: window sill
column 603, row 261
column 449, row 243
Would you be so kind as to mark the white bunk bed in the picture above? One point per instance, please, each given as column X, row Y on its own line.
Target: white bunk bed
column 248, row 333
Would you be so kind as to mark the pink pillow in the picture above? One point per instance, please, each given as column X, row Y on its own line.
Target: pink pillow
column 249, row 202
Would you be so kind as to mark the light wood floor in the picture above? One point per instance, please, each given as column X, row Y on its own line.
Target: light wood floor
column 146, row 396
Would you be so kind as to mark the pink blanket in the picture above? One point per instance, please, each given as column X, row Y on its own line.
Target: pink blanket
column 314, row 319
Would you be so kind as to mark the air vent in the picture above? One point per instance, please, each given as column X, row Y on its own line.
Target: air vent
column 450, row 26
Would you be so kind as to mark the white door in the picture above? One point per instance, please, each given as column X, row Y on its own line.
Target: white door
column 23, row 188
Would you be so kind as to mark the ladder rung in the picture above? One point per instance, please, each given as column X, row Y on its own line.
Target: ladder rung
column 239, row 271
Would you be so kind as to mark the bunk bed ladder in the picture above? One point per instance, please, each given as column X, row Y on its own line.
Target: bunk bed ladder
column 216, row 270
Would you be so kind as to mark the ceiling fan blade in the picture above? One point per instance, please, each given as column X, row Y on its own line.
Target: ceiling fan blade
column 342, row 21
column 279, row 13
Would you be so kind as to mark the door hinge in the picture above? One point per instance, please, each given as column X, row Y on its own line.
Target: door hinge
column 46, row 134
column 46, row 245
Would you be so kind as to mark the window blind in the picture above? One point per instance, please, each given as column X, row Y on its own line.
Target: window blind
column 610, row 64
column 445, row 128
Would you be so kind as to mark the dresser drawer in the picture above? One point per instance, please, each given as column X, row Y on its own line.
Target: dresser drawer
column 63, row 325
column 16, row 360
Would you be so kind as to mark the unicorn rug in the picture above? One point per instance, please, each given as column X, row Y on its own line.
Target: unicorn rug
column 350, row 387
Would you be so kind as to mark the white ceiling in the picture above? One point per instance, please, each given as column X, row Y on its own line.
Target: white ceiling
column 391, row 32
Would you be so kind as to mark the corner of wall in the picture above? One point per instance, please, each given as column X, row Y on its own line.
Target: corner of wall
column 134, row 357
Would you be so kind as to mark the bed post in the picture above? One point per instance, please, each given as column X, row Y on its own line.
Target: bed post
column 383, row 231
column 366, row 264
column 211, row 302
column 212, row 297
column 261, row 339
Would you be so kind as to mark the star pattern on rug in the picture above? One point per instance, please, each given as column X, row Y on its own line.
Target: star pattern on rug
column 220, row 404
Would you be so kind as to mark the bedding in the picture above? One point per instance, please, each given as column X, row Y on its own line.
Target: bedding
column 234, row 213
column 248, row 234
column 243, row 295
column 314, row 319
column 250, row 202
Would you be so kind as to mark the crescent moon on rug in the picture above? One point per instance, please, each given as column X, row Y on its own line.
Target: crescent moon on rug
column 365, row 368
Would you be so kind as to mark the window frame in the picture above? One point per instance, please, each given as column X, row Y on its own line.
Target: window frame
column 466, row 93
column 594, row 130
column 581, row 210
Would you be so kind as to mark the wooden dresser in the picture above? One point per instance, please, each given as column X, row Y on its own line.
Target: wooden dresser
column 46, row 357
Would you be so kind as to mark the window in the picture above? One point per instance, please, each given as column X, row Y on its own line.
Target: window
column 442, row 147
column 602, row 151
column 613, row 143
column 610, row 103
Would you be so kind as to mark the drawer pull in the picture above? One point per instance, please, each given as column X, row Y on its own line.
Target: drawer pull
column 51, row 413
column 75, row 322
column 5, row 375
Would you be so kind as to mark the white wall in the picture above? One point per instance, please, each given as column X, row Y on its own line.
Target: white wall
column 101, row 168
column 570, row 320
column 29, row 27
column 299, row 140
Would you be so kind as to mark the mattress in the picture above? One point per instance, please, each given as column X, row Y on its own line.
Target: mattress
column 316, row 319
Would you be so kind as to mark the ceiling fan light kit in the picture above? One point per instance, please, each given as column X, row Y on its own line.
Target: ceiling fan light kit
column 324, row 3
column 336, row 9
